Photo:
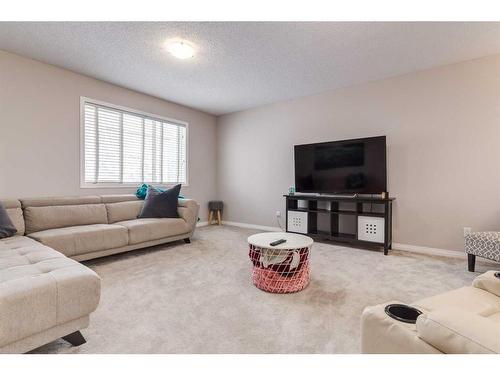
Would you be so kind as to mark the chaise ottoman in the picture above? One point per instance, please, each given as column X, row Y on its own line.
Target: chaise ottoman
column 43, row 295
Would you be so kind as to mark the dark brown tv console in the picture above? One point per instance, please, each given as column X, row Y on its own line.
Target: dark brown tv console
column 357, row 221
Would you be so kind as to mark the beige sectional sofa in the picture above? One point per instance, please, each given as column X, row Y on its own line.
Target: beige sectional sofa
column 465, row 320
column 45, row 293
column 88, row 227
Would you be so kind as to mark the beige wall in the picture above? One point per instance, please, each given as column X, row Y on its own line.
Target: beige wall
column 443, row 135
column 443, row 129
column 39, row 131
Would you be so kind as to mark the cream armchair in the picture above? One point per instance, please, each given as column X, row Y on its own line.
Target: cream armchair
column 465, row 320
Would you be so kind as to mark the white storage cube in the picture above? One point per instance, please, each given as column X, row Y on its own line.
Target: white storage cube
column 371, row 229
column 297, row 222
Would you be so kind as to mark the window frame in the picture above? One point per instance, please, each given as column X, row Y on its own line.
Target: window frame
column 85, row 185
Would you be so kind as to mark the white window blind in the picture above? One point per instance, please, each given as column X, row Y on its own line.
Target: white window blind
column 123, row 147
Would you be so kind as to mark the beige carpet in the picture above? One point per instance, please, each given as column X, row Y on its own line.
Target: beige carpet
column 198, row 298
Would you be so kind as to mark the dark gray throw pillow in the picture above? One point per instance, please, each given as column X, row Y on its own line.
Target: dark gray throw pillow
column 160, row 204
column 7, row 229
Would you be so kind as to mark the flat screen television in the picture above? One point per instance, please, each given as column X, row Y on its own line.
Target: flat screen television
column 348, row 166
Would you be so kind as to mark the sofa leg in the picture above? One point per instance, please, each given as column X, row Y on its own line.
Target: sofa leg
column 472, row 262
column 75, row 338
column 187, row 240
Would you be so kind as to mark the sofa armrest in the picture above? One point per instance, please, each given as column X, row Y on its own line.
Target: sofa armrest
column 489, row 282
column 459, row 332
column 188, row 210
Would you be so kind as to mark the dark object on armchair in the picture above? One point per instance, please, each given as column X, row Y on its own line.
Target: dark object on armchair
column 403, row 313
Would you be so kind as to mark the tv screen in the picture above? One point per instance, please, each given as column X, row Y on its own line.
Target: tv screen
column 350, row 166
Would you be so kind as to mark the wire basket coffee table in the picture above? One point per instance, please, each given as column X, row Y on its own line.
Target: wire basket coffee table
column 283, row 268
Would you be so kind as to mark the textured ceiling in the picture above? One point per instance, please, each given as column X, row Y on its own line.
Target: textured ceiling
column 240, row 65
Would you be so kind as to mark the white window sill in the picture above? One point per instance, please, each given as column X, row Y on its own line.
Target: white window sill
column 126, row 186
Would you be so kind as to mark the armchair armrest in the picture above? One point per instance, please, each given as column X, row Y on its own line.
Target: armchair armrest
column 489, row 282
column 381, row 334
column 459, row 332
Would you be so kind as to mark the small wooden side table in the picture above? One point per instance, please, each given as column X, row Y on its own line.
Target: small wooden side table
column 215, row 211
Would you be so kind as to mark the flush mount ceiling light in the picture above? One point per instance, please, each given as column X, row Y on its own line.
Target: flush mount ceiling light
column 180, row 49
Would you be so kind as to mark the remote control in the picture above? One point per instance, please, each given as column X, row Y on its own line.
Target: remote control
column 277, row 242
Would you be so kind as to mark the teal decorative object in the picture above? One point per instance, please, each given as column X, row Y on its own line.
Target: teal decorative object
column 291, row 190
column 143, row 189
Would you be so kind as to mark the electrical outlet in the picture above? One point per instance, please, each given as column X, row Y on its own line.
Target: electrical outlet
column 278, row 213
column 467, row 230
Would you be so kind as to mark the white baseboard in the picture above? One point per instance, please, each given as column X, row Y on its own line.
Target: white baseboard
column 396, row 246
column 459, row 254
column 252, row 226
column 428, row 250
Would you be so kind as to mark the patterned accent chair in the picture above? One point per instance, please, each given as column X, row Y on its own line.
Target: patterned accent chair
column 482, row 244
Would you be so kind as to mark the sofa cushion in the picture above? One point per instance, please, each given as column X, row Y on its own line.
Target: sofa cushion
column 40, row 288
column 17, row 241
column 161, row 204
column 18, row 254
column 454, row 331
column 83, row 239
column 495, row 317
column 7, row 229
column 19, row 245
column 122, row 211
column 60, row 201
column 49, row 217
column 114, row 198
column 143, row 230
column 469, row 299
